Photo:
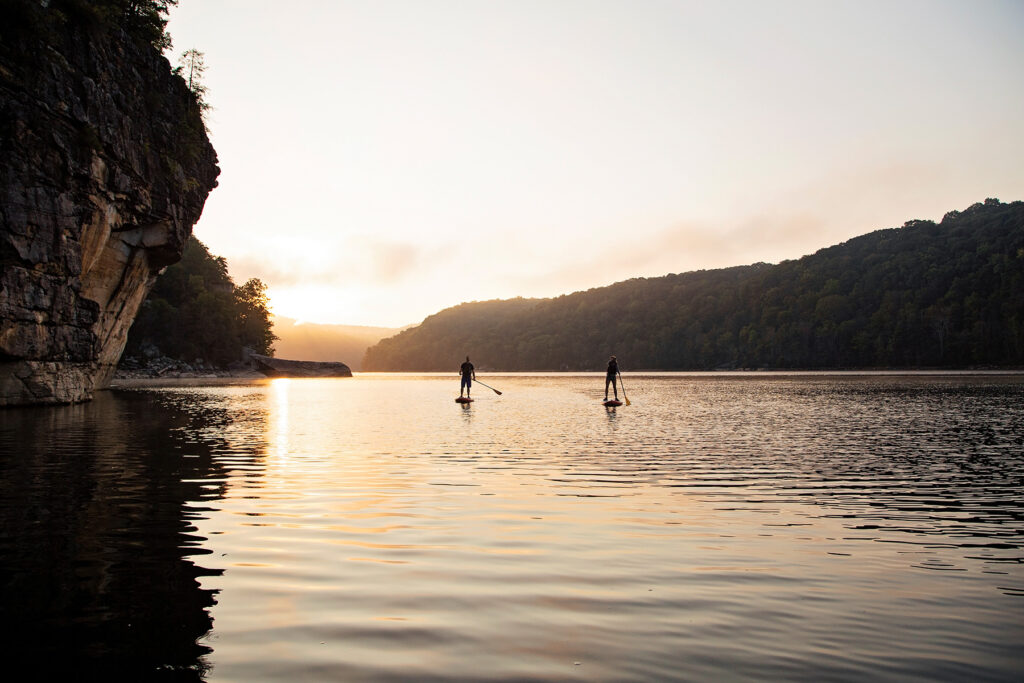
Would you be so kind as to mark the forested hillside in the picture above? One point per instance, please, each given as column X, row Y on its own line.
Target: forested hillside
column 195, row 311
column 924, row 295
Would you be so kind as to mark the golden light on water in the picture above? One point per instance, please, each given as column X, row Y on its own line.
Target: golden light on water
column 372, row 529
column 279, row 435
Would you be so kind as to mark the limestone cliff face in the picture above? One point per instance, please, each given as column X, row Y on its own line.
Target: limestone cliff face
column 104, row 169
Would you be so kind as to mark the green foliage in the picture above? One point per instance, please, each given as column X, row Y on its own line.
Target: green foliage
column 924, row 295
column 192, row 66
column 145, row 20
column 254, row 323
column 196, row 311
column 148, row 19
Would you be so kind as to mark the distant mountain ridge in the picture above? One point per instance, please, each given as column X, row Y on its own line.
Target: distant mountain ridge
column 324, row 342
column 948, row 294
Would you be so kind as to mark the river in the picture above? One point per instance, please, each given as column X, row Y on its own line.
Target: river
column 740, row 526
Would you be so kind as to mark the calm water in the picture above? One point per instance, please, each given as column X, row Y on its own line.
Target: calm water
column 739, row 527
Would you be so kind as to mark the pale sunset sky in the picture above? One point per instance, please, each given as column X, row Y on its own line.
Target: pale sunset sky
column 384, row 159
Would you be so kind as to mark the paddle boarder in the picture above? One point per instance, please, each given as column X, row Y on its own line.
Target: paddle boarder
column 468, row 375
column 613, row 371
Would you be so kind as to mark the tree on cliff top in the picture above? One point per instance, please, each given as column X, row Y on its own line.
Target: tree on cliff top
column 191, row 69
column 193, row 66
column 143, row 19
column 148, row 19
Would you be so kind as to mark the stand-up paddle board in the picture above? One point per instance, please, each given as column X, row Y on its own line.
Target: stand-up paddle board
column 613, row 403
column 462, row 399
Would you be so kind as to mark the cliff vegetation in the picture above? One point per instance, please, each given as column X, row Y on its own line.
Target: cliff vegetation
column 144, row 21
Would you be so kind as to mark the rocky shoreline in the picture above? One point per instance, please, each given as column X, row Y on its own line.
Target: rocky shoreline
column 258, row 367
column 163, row 367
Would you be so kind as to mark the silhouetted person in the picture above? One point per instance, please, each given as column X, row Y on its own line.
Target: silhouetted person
column 613, row 370
column 468, row 375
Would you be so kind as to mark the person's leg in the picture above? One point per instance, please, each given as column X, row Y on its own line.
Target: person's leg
column 462, row 385
column 607, row 378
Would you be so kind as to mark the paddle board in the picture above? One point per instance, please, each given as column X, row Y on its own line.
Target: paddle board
column 462, row 399
column 613, row 402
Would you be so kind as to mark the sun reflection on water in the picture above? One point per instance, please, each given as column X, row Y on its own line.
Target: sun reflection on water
column 760, row 523
column 279, row 417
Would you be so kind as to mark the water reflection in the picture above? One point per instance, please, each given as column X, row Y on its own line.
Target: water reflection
column 787, row 527
column 99, row 557
column 279, row 439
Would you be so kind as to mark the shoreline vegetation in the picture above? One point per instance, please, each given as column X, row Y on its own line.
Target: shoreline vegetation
column 925, row 295
column 196, row 319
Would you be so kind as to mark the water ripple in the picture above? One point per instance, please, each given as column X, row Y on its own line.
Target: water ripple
column 798, row 527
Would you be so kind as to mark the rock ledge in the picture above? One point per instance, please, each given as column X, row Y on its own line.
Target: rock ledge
column 279, row 367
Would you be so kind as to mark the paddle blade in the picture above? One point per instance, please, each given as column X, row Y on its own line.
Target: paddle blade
column 627, row 399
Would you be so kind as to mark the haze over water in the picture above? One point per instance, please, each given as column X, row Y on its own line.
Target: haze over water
column 723, row 526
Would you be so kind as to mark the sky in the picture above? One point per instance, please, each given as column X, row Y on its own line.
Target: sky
column 384, row 159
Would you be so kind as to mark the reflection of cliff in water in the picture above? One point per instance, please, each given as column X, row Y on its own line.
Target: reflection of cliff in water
column 98, row 572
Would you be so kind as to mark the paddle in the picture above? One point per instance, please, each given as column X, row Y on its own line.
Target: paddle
column 492, row 388
column 621, row 384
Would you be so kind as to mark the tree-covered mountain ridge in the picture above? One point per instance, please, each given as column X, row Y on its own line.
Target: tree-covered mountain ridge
column 925, row 295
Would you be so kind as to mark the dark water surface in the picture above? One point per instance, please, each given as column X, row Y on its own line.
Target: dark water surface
column 739, row 527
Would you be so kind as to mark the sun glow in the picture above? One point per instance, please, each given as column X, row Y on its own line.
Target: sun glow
column 574, row 155
column 313, row 303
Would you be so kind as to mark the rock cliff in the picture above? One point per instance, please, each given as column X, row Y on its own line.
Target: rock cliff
column 104, row 168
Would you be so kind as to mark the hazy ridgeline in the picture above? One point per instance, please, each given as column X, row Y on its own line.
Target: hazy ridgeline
column 925, row 295
column 326, row 342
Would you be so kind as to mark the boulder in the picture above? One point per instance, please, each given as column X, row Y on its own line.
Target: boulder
column 279, row 367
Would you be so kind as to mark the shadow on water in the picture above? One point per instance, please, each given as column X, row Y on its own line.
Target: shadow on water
column 790, row 528
column 99, row 562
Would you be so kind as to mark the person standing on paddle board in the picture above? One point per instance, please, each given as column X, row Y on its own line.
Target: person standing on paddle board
column 468, row 375
column 613, row 370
